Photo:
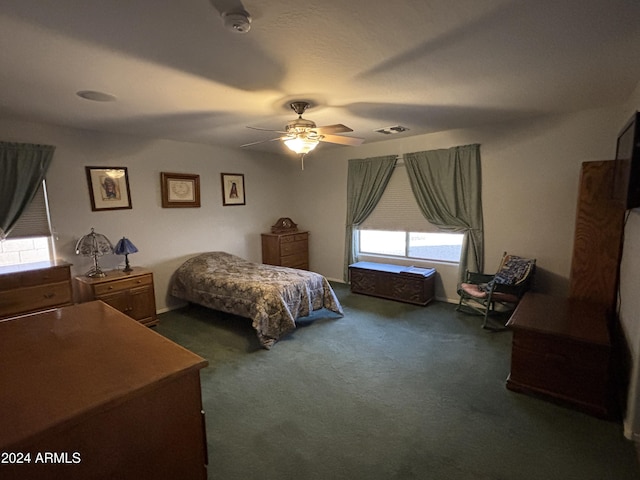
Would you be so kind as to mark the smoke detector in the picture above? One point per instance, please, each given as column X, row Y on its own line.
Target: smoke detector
column 237, row 22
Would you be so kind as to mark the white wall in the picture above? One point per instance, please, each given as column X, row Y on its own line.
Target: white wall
column 164, row 236
column 629, row 311
column 530, row 186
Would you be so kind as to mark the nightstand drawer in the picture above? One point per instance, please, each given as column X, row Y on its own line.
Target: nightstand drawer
column 123, row 284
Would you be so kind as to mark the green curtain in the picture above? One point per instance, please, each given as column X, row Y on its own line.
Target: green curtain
column 447, row 184
column 366, row 180
column 22, row 169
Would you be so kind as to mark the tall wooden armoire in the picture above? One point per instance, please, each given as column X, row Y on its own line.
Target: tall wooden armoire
column 597, row 244
column 597, row 251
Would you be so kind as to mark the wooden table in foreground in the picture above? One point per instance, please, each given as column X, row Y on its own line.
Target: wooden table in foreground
column 89, row 393
column 561, row 350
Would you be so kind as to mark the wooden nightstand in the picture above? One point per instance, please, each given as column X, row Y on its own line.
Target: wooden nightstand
column 132, row 293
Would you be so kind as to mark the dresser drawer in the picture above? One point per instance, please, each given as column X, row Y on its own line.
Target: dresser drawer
column 34, row 277
column 29, row 299
column 122, row 284
column 297, row 237
column 560, row 354
column 294, row 261
column 292, row 248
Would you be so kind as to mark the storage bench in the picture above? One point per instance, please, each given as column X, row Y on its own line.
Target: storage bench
column 405, row 284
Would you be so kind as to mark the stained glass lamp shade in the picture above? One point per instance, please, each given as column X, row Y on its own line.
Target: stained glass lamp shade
column 94, row 245
column 125, row 247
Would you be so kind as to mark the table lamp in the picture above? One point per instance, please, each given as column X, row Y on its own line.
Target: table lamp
column 94, row 245
column 125, row 247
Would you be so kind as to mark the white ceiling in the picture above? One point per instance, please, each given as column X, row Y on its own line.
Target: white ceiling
column 429, row 65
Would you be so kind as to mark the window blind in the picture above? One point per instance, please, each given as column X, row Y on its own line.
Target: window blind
column 34, row 222
column 398, row 210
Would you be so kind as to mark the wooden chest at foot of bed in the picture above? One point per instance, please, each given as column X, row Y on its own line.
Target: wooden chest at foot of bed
column 395, row 282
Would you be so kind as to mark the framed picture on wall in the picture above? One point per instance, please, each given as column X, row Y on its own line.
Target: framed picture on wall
column 232, row 189
column 180, row 190
column 108, row 188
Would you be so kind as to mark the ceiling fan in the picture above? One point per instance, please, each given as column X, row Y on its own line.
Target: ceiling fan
column 302, row 135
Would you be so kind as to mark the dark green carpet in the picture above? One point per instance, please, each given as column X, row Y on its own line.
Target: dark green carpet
column 389, row 391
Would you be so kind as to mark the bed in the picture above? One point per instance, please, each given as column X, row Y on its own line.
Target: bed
column 272, row 297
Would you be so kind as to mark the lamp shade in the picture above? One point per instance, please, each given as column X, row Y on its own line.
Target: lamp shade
column 125, row 247
column 94, row 245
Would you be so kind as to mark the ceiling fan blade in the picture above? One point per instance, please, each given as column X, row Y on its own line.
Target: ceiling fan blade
column 266, row 129
column 329, row 129
column 353, row 141
column 262, row 141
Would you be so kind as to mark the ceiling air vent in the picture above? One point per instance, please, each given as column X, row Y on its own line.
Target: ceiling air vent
column 391, row 130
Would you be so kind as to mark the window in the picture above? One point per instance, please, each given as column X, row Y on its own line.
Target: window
column 397, row 227
column 445, row 247
column 30, row 240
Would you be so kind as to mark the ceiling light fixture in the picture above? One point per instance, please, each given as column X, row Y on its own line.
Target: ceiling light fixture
column 237, row 22
column 301, row 144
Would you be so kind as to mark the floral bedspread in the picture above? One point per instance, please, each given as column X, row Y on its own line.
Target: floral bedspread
column 272, row 297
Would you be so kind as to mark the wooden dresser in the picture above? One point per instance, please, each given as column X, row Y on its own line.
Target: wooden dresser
column 34, row 287
column 89, row 394
column 286, row 249
column 132, row 293
column 562, row 350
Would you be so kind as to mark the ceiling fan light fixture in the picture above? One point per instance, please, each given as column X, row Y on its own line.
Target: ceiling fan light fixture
column 301, row 145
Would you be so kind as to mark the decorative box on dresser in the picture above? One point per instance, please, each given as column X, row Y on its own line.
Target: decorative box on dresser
column 132, row 293
column 34, row 287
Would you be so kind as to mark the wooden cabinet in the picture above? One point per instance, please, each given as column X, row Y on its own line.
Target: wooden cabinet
column 34, row 287
column 561, row 350
column 395, row 282
column 286, row 249
column 131, row 293
column 108, row 397
column 597, row 246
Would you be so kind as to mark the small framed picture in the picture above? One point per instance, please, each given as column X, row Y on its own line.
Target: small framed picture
column 180, row 190
column 232, row 189
column 108, row 188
